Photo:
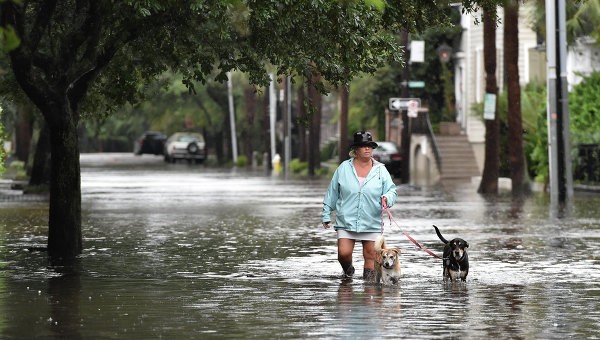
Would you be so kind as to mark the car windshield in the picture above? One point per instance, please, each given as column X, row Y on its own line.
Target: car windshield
column 187, row 139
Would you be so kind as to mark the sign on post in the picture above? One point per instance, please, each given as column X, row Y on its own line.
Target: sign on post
column 400, row 104
column 417, row 51
column 414, row 84
column 489, row 106
column 413, row 108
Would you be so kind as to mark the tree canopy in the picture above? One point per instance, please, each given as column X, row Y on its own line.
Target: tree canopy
column 90, row 56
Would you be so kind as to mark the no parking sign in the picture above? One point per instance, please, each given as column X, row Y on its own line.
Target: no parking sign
column 413, row 108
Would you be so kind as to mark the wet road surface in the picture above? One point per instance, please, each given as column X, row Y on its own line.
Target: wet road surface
column 185, row 251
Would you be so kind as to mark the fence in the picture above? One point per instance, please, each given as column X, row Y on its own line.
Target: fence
column 587, row 168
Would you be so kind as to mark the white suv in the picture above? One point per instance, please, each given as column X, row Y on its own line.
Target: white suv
column 185, row 145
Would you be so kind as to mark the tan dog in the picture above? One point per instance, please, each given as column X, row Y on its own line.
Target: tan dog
column 387, row 263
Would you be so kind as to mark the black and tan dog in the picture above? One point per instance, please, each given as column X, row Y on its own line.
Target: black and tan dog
column 455, row 258
column 387, row 263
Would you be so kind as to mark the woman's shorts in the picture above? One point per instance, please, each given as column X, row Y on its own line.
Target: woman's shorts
column 341, row 233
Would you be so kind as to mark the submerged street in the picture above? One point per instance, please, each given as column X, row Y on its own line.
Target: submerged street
column 186, row 251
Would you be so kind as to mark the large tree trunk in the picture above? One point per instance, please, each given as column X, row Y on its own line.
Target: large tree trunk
column 489, row 179
column 344, row 145
column 64, row 222
column 265, row 128
column 302, row 144
column 40, row 164
column 516, row 156
column 248, row 130
column 55, row 65
column 314, row 139
column 24, row 131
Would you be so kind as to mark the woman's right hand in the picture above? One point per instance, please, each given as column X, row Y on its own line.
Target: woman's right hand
column 326, row 225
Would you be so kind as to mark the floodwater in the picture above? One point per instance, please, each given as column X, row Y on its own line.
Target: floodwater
column 183, row 251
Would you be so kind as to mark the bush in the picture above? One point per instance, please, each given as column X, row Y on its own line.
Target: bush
column 242, row 161
column 584, row 113
column 535, row 140
column 329, row 151
column 584, row 110
column 298, row 167
column 16, row 171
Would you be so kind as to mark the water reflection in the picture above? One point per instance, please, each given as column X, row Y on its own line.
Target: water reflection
column 178, row 251
column 64, row 300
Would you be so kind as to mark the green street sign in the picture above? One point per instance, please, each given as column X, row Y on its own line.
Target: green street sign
column 416, row 84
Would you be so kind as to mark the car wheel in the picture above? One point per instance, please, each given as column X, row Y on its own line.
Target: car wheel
column 193, row 148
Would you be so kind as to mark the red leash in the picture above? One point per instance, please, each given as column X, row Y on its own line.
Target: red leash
column 385, row 208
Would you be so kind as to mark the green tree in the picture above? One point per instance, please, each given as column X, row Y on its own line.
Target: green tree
column 518, row 171
column 491, row 165
column 533, row 105
column 583, row 17
column 71, row 49
column 370, row 93
column 584, row 103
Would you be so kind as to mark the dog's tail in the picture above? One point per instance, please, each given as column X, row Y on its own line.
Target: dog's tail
column 379, row 243
column 437, row 231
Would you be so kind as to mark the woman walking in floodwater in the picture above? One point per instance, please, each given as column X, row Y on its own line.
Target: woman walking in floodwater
column 358, row 188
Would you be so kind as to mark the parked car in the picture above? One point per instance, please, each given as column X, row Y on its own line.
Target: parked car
column 389, row 154
column 150, row 142
column 185, row 145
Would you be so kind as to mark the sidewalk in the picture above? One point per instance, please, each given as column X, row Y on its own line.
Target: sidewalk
column 586, row 188
column 12, row 191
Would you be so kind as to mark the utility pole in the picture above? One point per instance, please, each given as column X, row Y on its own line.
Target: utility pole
column 272, row 114
column 405, row 140
column 559, row 147
column 287, row 125
column 232, row 118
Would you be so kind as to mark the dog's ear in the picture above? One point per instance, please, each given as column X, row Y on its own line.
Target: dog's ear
column 397, row 251
column 466, row 244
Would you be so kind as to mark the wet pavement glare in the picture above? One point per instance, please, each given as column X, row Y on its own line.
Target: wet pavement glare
column 186, row 251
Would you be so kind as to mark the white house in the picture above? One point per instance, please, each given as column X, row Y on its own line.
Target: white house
column 470, row 73
column 582, row 59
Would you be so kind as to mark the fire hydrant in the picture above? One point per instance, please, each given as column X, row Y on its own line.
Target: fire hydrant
column 276, row 163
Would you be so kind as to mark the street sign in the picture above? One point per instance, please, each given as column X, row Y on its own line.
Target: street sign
column 417, row 51
column 413, row 109
column 399, row 104
column 416, row 84
column 489, row 106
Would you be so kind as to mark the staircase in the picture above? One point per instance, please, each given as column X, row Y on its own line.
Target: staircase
column 458, row 159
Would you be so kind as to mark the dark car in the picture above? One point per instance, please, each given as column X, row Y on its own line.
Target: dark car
column 150, row 142
column 389, row 154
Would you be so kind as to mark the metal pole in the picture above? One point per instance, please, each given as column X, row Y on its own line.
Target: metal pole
column 405, row 140
column 288, row 125
column 552, row 114
column 559, row 146
column 232, row 118
column 566, row 188
column 272, row 114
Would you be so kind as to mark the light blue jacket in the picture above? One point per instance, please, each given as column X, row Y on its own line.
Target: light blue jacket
column 358, row 209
